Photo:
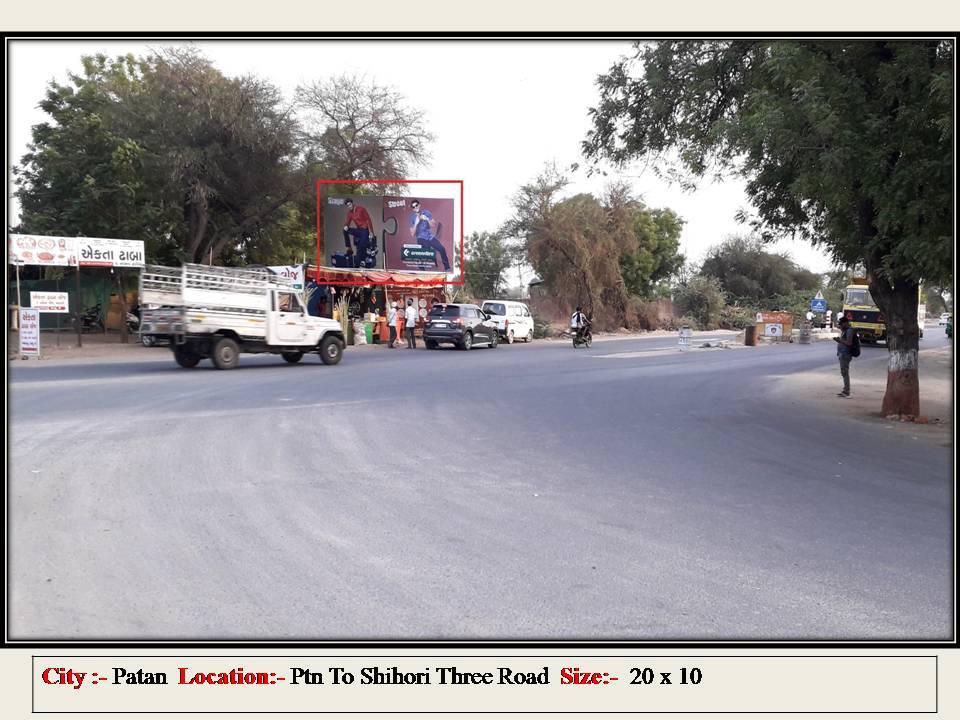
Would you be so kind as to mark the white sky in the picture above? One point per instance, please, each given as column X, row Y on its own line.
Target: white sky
column 499, row 110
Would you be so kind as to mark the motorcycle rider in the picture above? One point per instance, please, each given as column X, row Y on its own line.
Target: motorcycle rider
column 579, row 322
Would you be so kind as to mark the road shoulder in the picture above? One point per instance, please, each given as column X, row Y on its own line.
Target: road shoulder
column 817, row 390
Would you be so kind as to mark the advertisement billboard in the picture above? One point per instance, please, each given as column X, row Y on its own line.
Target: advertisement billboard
column 392, row 232
column 42, row 250
column 423, row 236
column 352, row 229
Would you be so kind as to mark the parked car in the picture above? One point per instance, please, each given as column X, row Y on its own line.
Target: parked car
column 945, row 318
column 460, row 324
column 513, row 319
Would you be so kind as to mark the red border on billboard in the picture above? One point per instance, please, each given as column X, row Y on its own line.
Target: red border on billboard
column 321, row 183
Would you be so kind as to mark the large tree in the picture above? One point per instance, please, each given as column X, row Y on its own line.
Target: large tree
column 361, row 130
column 657, row 256
column 575, row 244
column 487, row 258
column 84, row 173
column 165, row 149
column 848, row 144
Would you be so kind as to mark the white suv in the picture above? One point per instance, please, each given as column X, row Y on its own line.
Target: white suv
column 514, row 319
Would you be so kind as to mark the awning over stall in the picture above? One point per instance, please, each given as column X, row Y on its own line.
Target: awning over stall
column 361, row 276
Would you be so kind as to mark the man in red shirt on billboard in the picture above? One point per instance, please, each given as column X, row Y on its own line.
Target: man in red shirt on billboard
column 362, row 231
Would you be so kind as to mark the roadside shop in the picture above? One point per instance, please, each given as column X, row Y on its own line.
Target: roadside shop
column 360, row 298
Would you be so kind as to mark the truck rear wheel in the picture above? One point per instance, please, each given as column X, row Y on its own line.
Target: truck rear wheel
column 226, row 353
column 185, row 357
column 331, row 351
column 292, row 357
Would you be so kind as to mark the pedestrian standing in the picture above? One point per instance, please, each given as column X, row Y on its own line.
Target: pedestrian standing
column 844, row 353
column 392, row 322
column 411, row 323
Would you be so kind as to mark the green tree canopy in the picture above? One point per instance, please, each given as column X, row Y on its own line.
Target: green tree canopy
column 657, row 257
column 749, row 274
column 595, row 252
column 487, row 257
column 848, row 144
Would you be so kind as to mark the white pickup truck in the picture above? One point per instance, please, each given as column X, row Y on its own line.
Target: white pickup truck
column 212, row 312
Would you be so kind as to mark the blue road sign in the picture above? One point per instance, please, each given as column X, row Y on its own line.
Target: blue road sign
column 818, row 305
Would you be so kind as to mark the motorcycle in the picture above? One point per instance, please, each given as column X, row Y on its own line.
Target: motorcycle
column 133, row 320
column 91, row 320
column 582, row 336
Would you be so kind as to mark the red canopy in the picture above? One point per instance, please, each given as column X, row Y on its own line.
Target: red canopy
column 361, row 276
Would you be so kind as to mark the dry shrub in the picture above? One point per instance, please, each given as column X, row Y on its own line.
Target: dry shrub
column 652, row 314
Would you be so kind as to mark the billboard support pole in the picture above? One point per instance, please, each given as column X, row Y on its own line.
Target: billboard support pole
column 78, row 311
column 17, row 266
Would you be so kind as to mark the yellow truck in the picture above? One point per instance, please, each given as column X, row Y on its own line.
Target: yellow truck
column 864, row 315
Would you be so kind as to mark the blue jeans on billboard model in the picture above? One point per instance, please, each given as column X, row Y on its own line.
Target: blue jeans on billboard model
column 361, row 235
column 431, row 243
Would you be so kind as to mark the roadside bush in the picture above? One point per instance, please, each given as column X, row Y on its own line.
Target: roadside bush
column 690, row 322
column 652, row 314
column 702, row 299
column 541, row 325
column 736, row 317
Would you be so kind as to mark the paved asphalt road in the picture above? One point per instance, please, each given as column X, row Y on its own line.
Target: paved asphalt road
column 620, row 492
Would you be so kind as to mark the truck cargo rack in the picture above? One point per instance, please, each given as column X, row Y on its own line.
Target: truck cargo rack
column 164, row 285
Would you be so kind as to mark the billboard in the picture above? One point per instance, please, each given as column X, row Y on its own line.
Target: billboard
column 392, row 232
column 110, row 252
column 42, row 250
column 423, row 239
column 352, row 229
column 92, row 252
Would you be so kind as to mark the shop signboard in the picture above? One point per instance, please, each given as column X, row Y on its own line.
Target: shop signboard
column 65, row 251
column 291, row 272
column 42, row 250
column 50, row 302
column 110, row 252
column 29, row 332
column 776, row 324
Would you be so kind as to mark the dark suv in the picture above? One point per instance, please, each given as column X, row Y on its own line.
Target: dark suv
column 459, row 324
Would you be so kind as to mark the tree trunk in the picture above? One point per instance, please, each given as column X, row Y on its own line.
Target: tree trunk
column 899, row 306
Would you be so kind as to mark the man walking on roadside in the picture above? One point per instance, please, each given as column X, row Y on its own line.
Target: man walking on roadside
column 392, row 322
column 844, row 353
column 411, row 325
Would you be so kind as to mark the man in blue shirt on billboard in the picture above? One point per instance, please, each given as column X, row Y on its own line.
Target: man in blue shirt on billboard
column 421, row 229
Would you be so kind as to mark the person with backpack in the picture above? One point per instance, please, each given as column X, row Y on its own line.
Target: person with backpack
column 848, row 347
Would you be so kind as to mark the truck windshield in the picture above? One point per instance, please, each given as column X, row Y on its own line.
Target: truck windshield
column 859, row 297
column 495, row 308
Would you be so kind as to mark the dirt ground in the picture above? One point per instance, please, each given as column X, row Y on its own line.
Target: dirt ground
column 868, row 382
column 95, row 346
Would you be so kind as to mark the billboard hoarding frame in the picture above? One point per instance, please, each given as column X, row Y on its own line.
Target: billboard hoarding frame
column 321, row 182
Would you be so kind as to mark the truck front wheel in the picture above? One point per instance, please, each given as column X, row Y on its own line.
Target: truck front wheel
column 331, row 351
column 226, row 353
